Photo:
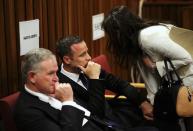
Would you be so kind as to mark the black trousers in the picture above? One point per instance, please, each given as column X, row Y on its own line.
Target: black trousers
column 143, row 129
column 167, row 125
column 136, row 129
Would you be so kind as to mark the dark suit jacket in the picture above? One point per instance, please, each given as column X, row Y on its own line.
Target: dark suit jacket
column 95, row 95
column 31, row 114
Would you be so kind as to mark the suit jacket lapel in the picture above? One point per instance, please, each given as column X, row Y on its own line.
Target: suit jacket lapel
column 80, row 94
column 40, row 105
column 75, row 86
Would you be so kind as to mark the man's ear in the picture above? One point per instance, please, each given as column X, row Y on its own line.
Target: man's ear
column 66, row 59
column 31, row 77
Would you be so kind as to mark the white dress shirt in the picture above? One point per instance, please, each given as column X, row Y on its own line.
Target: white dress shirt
column 73, row 76
column 56, row 104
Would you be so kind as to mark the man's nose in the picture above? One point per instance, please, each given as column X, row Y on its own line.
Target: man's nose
column 88, row 57
column 56, row 78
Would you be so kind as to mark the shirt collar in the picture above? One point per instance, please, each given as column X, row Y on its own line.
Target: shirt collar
column 45, row 98
column 73, row 76
column 57, row 104
column 41, row 96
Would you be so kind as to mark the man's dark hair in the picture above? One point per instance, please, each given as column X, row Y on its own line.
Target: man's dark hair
column 64, row 44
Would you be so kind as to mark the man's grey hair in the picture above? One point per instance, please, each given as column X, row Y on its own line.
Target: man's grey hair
column 32, row 60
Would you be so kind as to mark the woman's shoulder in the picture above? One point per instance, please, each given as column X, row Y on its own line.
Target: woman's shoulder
column 154, row 34
column 156, row 29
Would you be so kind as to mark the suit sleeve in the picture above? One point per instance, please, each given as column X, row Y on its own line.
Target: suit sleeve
column 96, row 97
column 70, row 119
column 122, row 87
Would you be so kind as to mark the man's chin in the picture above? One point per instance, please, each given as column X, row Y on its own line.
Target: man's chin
column 86, row 65
column 52, row 91
column 77, row 70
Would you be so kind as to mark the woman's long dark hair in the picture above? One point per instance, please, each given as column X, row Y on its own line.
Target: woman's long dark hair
column 122, row 28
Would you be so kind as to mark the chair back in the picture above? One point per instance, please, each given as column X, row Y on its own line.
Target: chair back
column 184, row 37
column 7, row 105
column 102, row 60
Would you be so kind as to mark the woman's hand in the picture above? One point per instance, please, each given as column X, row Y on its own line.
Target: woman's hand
column 147, row 110
column 149, row 63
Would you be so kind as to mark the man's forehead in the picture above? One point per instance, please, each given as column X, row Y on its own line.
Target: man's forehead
column 78, row 46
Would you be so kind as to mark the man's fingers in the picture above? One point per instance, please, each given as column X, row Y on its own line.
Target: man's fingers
column 62, row 85
column 63, row 92
column 56, row 84
column 90, row 63
column 148, row 116
column 68, row 85
column 81, row 68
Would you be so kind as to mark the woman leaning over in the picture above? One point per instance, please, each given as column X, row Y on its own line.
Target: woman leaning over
column 146, row 44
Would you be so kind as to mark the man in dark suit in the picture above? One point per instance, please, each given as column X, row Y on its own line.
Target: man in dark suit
column 47, row 105
column 76, row 62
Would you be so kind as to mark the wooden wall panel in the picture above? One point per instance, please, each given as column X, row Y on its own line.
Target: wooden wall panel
column 19, row 16
column 29, row 9
column 187, row 17
column 44, row 23
column 169, row 11
column 38, row 13
column 11, row 46
column 3, row 61
column 51, row 24
column 59, row 18
column 58, row 14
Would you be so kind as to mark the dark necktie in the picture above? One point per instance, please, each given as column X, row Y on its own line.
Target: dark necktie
column 84, row 80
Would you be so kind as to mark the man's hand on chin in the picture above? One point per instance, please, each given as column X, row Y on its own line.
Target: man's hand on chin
column 92, row 70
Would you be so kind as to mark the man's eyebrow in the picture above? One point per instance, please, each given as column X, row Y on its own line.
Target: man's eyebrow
column 83, row 53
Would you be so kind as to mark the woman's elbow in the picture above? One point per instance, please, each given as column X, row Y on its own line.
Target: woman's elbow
column 188, row 60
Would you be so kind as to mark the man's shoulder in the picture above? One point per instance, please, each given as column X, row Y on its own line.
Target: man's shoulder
column 26, row 99
column 29, row 103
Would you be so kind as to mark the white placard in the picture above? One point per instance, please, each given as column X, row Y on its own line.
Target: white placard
column 29, row 35
column 97, row 31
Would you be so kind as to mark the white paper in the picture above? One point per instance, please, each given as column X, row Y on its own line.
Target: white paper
column 29, row 35
column 96, row 26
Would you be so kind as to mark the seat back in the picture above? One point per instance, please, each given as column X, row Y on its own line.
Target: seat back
column 183, row 37
column 7, row 105
column 102, row 60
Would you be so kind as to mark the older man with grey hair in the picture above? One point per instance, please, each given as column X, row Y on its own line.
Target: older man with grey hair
column 44, row 103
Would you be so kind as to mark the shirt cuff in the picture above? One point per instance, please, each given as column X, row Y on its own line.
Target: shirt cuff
column 74, row 104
